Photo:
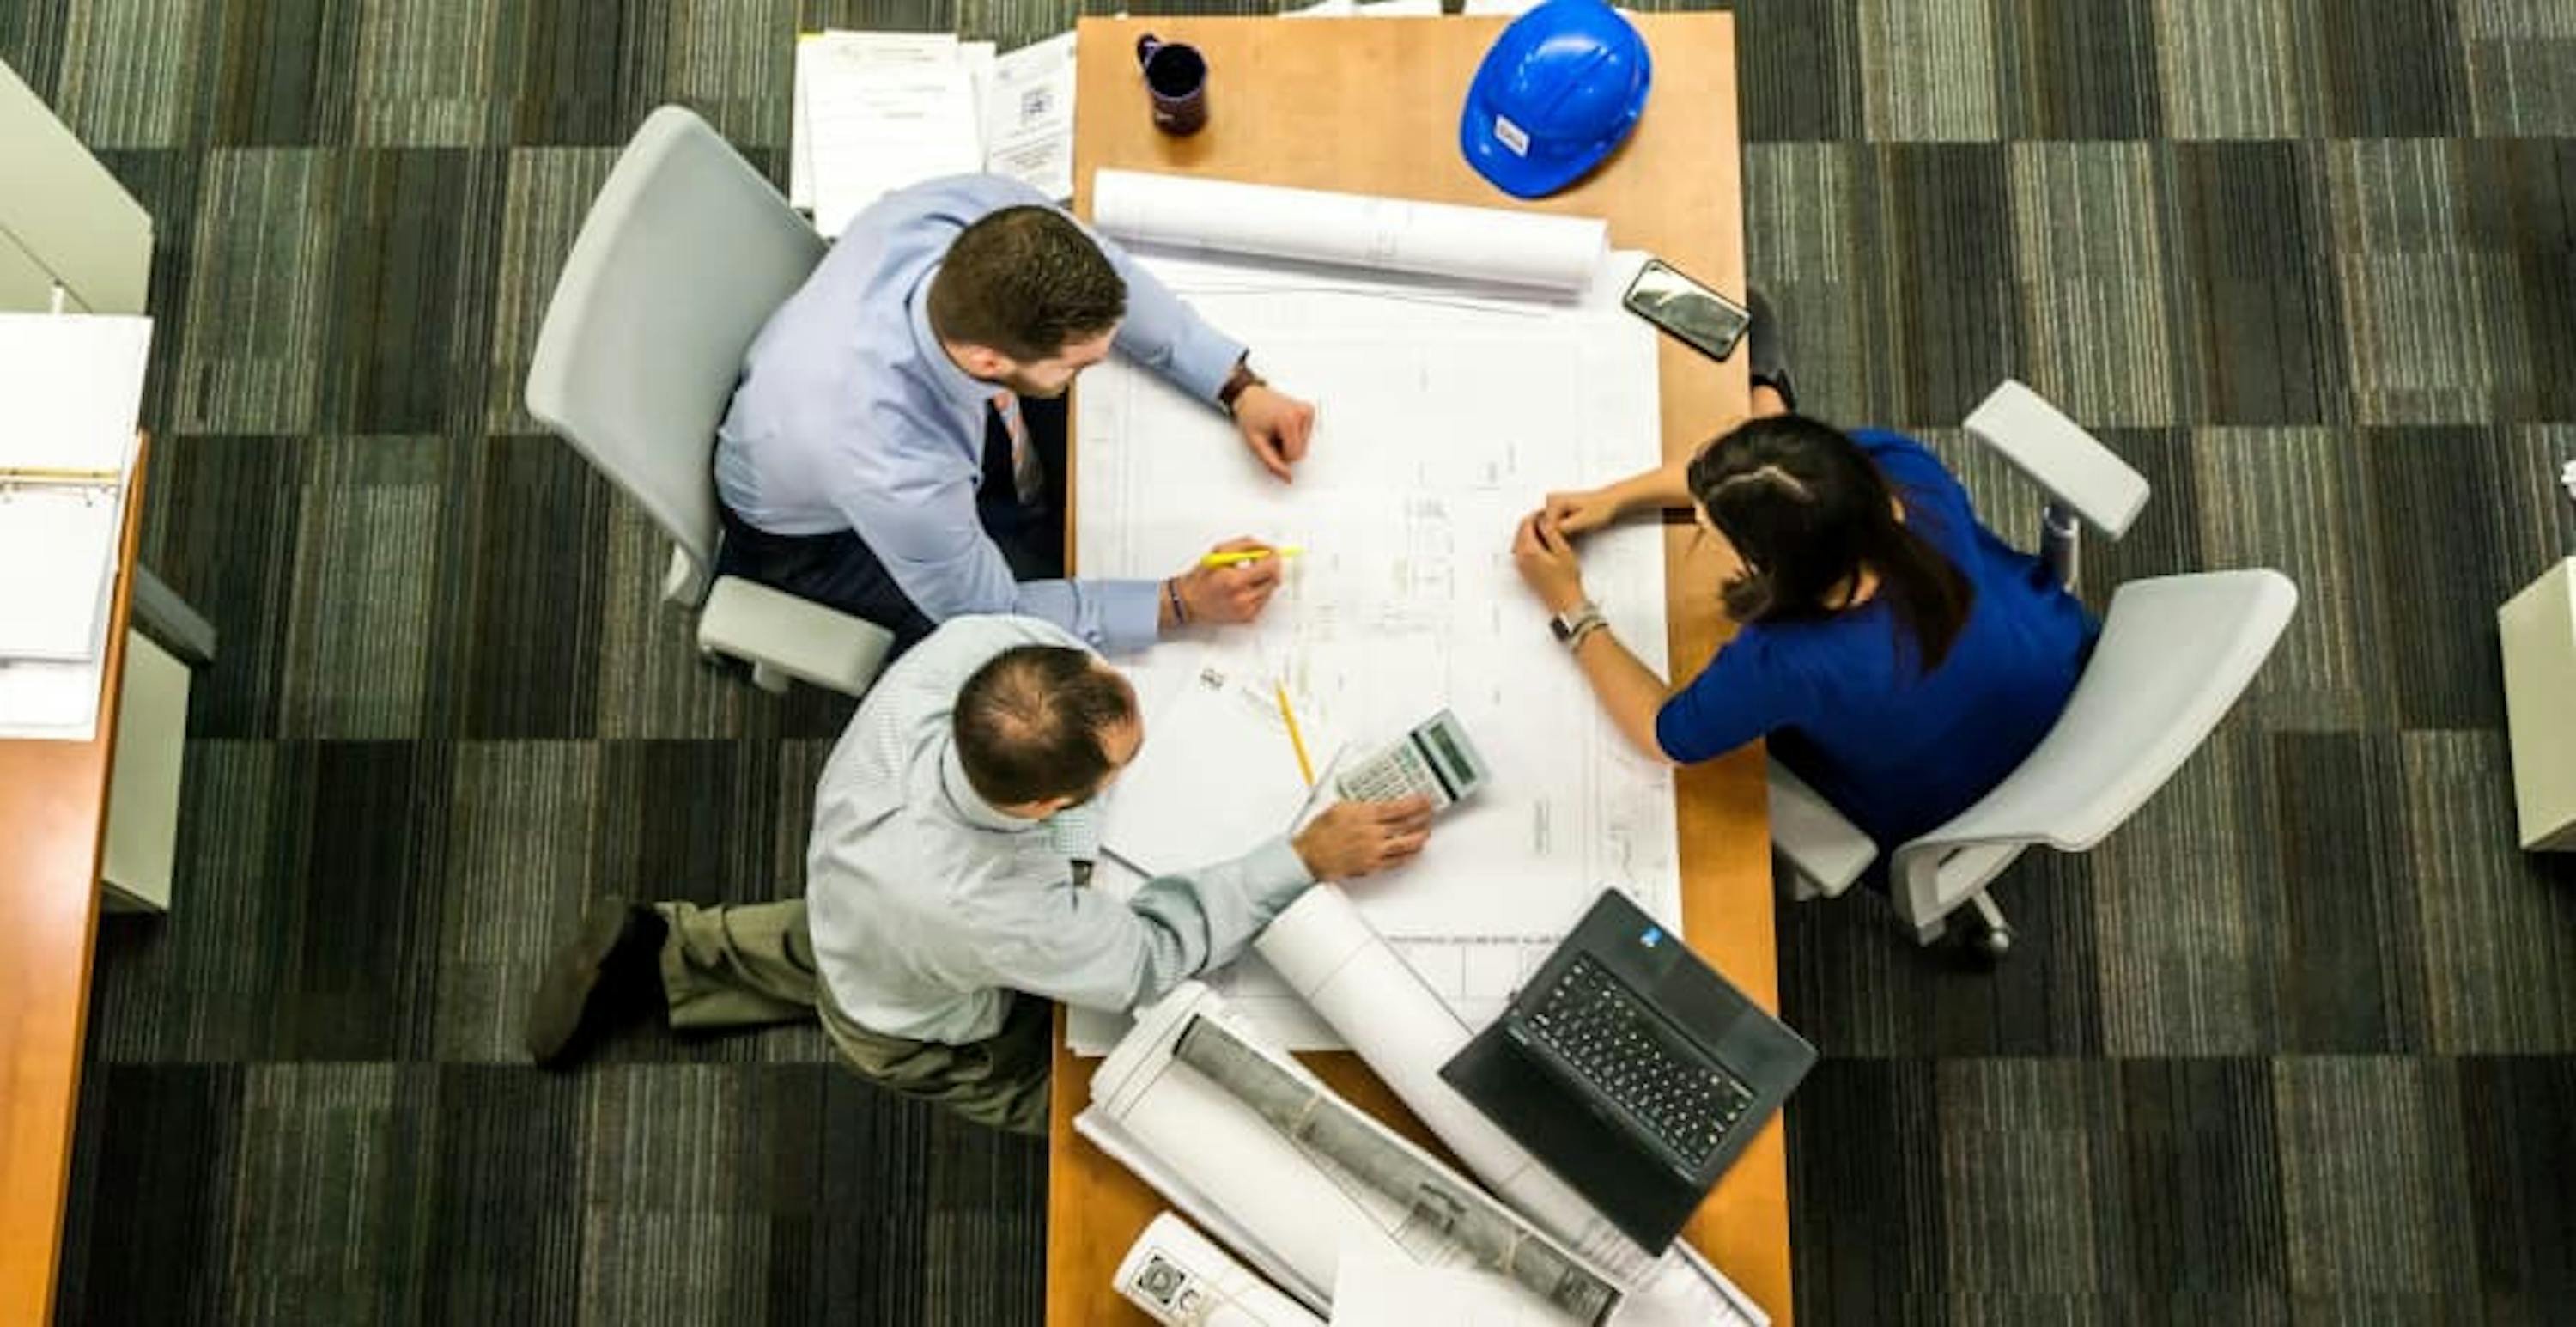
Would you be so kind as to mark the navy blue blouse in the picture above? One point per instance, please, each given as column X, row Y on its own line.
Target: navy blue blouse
column 1845, row 703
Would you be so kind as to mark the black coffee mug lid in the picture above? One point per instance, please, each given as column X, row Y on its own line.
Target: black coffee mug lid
column 1175, row 70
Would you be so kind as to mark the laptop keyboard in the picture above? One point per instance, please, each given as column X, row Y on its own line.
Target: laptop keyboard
column 1627, row 1054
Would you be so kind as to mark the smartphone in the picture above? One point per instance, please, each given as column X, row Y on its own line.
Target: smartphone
column 1706, row 321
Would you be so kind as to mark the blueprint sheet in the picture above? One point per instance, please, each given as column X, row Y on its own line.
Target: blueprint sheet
column 1443, row 418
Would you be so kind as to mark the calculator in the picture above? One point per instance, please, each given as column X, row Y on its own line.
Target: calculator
column 1435, row 760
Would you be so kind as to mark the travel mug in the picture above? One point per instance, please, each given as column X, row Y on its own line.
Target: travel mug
column 1176, row 78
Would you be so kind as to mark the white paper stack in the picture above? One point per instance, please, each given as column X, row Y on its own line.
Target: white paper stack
column 1218, row 775
column 876, row 111
column 1367, row 9
column 70, row 388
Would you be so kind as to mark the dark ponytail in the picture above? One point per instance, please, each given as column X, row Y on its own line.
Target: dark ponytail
column 1809, row 513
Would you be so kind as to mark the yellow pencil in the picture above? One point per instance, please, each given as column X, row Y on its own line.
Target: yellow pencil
column 1305, row 767
column 1248, row 555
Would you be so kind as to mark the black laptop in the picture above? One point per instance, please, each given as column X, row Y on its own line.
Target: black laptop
column 1631, row 1069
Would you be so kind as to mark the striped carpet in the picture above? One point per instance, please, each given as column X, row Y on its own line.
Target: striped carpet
column 2296, row 1046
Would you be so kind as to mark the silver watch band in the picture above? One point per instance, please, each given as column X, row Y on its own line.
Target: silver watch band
column 1572, row 627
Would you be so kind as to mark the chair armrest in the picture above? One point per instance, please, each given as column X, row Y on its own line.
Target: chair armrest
column 684, row 581
column 798, row 637
column 2069, row 464
column 1828, row 850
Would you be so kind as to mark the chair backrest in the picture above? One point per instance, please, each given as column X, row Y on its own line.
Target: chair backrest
column 685, row 253
column 2056, row 453
column 2175, row 653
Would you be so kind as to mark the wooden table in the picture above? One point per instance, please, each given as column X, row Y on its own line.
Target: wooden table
column 1371, row 106
column 53, row 829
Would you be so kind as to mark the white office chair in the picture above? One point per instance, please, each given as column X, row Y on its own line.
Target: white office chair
column 2175, row 653
column 684, row 255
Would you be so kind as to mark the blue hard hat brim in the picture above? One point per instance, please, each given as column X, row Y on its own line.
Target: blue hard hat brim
column 1520, row 176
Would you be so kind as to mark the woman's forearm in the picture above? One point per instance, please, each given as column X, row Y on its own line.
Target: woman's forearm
column 1627, row 688
column 1666, row 487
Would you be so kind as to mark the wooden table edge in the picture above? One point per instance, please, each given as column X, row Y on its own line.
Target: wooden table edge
column 27, row 1290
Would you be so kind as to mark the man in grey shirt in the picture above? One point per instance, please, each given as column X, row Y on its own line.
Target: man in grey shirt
column 941, row 913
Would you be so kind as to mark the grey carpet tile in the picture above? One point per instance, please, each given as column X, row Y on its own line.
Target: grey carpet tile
column 430, row 76
column 2258, row 490
column 2098, row 330
column 2340, row 910
column 2517, row 1162
column 2252, row 234
column 2078, row 71
column 1940, row 279
column 133, row 72
column 548, row 191
column 2238, row 69
column 2368, row 1209
column 2186, row 968
column 2499, row 928
column 2293, row 1046
column 281, row 72
column 1928, row 71
column 253, row 323
column 32, row 37
column 1802, row 79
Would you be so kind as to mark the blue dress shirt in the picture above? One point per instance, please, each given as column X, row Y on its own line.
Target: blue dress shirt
column 1847, row 708
column 850, row 416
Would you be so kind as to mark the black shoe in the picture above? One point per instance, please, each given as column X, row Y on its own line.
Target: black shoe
column 1766, row 356
column 611, row 970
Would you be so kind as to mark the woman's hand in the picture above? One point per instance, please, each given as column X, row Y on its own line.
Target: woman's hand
column 1547, row 563
column 1585, row 509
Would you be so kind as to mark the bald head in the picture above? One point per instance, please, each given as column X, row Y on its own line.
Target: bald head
column 1043, row 723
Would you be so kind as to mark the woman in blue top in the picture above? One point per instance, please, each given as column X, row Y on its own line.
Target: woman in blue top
column 1900, row 657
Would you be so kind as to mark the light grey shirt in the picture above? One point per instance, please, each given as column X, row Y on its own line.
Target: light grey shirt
column 851, row 416
column 929, row 908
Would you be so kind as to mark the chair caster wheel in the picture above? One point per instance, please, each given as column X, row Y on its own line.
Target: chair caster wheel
column 1993, row 945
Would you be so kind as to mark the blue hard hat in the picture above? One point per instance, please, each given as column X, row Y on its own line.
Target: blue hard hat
column 1562, row 85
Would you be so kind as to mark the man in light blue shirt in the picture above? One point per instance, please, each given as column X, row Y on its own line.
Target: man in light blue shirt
column 896, row 445
column 941, row 914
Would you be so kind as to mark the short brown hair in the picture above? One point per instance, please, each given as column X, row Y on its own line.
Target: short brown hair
column 1028, row 724
column 1025, row 281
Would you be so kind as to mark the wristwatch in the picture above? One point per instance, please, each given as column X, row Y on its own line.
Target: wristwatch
column 1242, row 380
column 1572, row 625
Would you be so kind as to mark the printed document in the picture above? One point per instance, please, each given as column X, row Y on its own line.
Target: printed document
column 878, row 111
column 1445, row 413
column 1217, row 776
column 70, row 389
column 1028, row 117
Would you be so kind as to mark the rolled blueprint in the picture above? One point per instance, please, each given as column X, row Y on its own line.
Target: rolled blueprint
column 1182, row 1279
column 1328, row 953
column 1356, row 982
column 1287, row 1209
column 1480, row 245
column 1306, row 1113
